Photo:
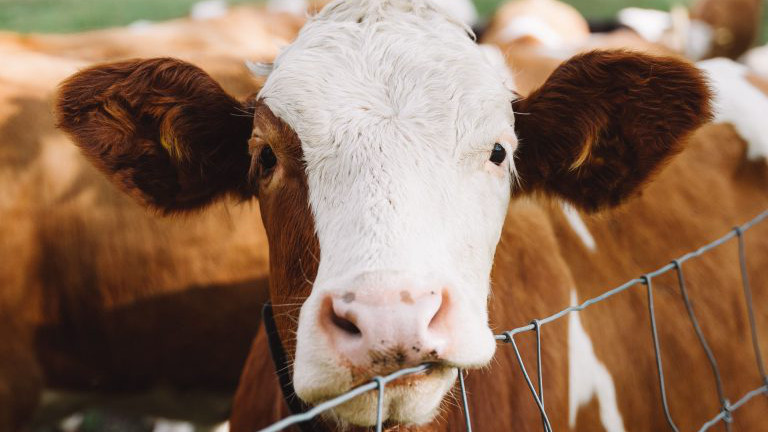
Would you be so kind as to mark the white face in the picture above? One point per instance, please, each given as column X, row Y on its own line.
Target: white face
column 398, row 111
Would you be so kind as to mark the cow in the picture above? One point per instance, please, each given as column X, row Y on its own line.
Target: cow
column 398, row 173
column 102, row 301
column 732, row 26
column 709, row 29
column 549, row 23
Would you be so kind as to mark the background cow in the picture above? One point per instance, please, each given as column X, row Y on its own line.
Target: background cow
column 101, row 299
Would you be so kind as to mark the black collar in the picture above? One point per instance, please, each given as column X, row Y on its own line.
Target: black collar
column 283, row 371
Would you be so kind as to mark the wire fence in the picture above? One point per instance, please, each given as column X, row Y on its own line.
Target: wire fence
column 727, row 408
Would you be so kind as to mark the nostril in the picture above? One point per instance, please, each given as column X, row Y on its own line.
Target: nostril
column 344, row 324
column 438, row 319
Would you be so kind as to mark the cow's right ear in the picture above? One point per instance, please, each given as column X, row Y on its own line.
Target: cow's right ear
column 162, row 130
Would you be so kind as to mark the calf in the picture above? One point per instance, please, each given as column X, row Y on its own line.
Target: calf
column 398, row 173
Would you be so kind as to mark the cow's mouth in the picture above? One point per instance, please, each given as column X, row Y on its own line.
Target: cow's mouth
column 410, row 399
column 430, row 369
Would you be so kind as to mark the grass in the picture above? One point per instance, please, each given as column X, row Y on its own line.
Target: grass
column 64, row 16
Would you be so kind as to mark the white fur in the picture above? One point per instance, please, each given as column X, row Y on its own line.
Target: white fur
column 397, row 110
column 578, row 226
column 223, row 427
column 756, row 60
column 674, row 29
column 165, row 425
column 700, row 36
column 651, row 24
column 72, row 423
column 740, row 103
column 295, row 7
column 259, row 69
column 495, row 58
column 532, row 26
column 208, row 9
column 588, row 377
column 462, row 10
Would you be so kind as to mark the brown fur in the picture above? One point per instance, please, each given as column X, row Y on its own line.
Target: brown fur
column 21, row 380
column 604, row 121
column 706, row 190
column 98, row 294
column 735, row 23
column 160, row 129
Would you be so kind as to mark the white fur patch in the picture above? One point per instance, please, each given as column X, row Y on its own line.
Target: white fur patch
column 72, row 423
column 534, row 27
column 398, row 111
column 165, row 425
column 495, row 58
column 462, row 10
column 757, row 60
column 295, row 7
column 699, row 40
column 208, row 9
column 588, row 377
column 259, row 69
column 579, row 227
column 674, row 29
column 223, row 427
column 740, row 103
column 651, row 24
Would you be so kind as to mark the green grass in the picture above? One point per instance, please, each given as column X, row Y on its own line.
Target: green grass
column 64, row 16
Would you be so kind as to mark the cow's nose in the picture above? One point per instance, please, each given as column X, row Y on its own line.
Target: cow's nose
column 383, row 330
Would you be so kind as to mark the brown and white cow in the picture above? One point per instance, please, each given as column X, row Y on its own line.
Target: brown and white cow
column 398, row 174
column 99, row 299
column 708, row 29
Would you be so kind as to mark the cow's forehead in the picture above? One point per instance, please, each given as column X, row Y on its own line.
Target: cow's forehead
column 387, row 71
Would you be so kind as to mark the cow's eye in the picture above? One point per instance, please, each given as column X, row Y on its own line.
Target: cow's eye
column 267, row 160
column 498, row 154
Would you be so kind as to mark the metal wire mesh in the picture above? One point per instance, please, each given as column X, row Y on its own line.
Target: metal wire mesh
column 726, row 408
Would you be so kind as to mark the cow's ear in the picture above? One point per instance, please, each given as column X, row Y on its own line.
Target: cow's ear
column 604, row 122
column 162, row 130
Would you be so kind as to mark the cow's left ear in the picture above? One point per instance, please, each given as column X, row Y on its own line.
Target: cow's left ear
column 604, row 122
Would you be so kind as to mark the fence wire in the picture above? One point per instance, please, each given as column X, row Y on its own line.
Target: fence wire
column 727, row 408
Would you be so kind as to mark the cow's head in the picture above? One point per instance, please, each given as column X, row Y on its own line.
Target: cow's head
column 383, row 148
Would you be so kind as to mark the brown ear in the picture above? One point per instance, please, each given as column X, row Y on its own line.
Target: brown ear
column 604, row 122
column 162, row 130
